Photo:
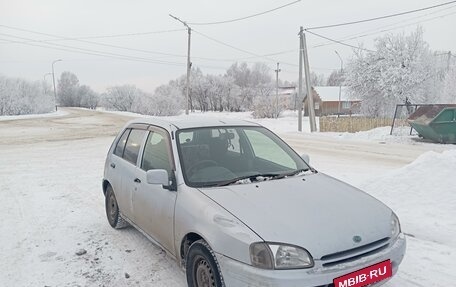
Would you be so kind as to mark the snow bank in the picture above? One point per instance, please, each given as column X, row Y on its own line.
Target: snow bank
column 380, row 134
column 58, row 113
column 423, row 194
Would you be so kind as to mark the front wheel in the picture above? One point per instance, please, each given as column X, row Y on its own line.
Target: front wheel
column 202, row 267
column 115, row 219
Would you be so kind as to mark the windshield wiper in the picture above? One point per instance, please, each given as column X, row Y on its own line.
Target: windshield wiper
column 267, row 176
column 251, row 177
column 296, row 172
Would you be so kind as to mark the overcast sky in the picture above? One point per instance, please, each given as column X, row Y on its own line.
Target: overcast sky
column 266, row 34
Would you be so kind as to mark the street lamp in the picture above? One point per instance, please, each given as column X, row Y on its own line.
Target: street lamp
column 53, row 81
column 340, row 82
column 45, row 84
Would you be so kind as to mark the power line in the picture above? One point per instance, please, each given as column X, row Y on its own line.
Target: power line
column 339, row 42
column 104, row 36
column 358, row 35
column 85, row 41
column 59, row 37
column 89, row 51
column 377, row 31
column 128, row 34
column 243, row 18
column 243, row 59
column 241, row 50
column 81, row 52
column 381, row 17
column 48, row 42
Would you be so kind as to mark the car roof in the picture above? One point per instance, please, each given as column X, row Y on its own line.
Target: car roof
column 191, row 122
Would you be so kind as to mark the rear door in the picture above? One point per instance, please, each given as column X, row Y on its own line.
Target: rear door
column 126, row 167
column 111, row 170
column 153, row 205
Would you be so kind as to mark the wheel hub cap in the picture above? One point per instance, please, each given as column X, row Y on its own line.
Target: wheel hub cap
column 204, row 276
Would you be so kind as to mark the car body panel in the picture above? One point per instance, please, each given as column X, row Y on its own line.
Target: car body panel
column 313, row 211
column 154, row 211
column 243, row 275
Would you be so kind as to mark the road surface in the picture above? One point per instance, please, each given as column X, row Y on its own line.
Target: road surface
column 52, row 205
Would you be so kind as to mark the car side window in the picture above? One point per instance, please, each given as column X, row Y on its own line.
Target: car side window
column 121, row 143
column 156, row 152
column 133, row 145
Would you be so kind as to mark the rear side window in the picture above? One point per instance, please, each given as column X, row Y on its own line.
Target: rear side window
column 133, row 145
column 121, row 143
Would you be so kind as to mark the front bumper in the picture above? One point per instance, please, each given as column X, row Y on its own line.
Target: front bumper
column 237, row 274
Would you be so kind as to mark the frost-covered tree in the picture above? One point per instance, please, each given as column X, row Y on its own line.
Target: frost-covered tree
column 336, row 78
column 68, row 90
column 199, row 90
column 400, row 68
column 166, row 101
column 122, row 98
column 88, row 98
column 449, row 87
column 19, row 97
column 317, row 79
column 249, row 82
column 265, row 104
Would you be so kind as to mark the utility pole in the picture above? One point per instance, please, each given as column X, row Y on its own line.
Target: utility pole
column 449, row 60
column 189, row 64
column 313, row 126
column 53, row 82
column 300, row 97
column 340, row 82
column 277, row 91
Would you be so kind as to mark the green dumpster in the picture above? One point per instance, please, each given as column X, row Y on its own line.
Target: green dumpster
column 435, row 122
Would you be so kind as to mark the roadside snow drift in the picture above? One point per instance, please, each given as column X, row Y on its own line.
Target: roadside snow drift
column 423, row 194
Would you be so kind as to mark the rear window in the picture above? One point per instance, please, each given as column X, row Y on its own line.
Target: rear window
column 121, row 143
column 133, row 145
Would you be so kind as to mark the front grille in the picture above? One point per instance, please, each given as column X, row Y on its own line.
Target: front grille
column 354, row 253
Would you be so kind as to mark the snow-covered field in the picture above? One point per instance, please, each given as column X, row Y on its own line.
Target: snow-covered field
column 52, row 204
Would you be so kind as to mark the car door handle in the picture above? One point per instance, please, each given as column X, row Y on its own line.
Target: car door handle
column 113, row 165
column 137, row 180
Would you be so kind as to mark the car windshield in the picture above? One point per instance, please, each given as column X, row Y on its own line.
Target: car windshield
column 217, row 156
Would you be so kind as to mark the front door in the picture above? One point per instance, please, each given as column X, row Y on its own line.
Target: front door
column 153, row 205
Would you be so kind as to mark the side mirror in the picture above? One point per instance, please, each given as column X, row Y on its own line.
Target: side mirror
column 157, row 176
column 306, row 158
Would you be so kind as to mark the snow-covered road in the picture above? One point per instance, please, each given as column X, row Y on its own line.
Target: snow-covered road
column 52, row 204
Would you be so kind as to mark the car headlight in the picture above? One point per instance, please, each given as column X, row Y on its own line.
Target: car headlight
column 395, row 226
column 279, row 256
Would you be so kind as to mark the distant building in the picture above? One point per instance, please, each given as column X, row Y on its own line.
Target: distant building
column 287, row 96
column 327, row 102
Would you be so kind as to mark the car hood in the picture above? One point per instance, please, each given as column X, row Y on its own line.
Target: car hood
column 316, row 212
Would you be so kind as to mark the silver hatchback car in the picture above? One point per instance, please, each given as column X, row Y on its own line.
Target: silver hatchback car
column 236, row 206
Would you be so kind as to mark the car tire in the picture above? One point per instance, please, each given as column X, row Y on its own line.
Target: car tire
column 115, row 219
column 202, row 268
